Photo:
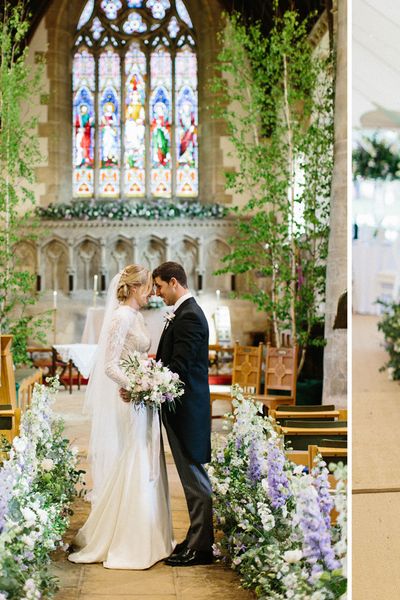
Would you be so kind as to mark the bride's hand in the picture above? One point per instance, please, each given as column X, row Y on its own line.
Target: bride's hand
column 124, row 394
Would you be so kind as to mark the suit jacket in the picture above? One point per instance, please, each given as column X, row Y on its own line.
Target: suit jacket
column 183, row 348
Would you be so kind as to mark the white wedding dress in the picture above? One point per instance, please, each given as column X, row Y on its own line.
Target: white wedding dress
column 130, row 525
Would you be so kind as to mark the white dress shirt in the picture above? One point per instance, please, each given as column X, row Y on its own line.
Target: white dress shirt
column 181, row 300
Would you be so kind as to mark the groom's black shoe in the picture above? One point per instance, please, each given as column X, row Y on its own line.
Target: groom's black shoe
column 190, row 558
column 180, row 547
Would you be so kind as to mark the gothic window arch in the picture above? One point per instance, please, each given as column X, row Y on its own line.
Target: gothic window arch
column 135, row 100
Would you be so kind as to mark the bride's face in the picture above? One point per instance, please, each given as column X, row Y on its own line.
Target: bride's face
column 142, row 295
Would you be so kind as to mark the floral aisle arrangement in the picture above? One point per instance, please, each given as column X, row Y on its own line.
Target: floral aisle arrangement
column 275, row 518
column 121, row 211
column 376, row 158
column 390, row 327
column 150, row 383
column 37, row 486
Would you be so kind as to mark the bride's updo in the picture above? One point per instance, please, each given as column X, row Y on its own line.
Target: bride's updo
column 133, row 276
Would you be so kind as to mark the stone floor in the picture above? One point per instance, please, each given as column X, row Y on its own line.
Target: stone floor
column 376, row 468
column 93, row 582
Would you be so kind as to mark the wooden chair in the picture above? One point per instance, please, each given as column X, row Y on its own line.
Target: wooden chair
column 25, row 380
column 284, row 414
column 302, row 434
column 220, row 360
column 246, row 372
column 280, row 376
column 10, row 419
column 331, row 454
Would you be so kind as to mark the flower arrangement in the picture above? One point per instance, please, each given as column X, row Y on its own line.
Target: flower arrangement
column 121, row 211
column 390, row 327
column 150, row 383
column 37, row 486
column 274, row 517
column 373, row 158
column 154, row 302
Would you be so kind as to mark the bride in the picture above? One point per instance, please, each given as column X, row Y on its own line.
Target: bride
column 129, row 526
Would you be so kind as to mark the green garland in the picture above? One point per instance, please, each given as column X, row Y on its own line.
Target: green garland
column 390, row 327
column 162, row 210
column 376, row 159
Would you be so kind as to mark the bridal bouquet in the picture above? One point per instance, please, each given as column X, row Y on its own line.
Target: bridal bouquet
column 150, row 383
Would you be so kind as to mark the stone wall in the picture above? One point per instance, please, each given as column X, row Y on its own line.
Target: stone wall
column 68, row 257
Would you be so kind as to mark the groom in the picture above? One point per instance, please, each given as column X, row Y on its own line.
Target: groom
column 183, row 348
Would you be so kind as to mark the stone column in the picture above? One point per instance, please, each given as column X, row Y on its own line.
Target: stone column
column 335, row 356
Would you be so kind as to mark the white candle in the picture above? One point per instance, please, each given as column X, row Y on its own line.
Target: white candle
column 95, row 283
column 54, row 299
column 218, row 292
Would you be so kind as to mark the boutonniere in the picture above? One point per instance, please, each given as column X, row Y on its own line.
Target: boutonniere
column 168, row 318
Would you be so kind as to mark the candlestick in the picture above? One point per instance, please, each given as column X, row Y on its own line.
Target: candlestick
column 218, row 292
column 55, row 299
column 95, row 283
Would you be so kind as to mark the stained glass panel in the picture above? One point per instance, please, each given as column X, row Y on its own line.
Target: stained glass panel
column 135, row 122
column 183, row 13
column 173, row 27
column 111, row 8
column 161, row 114
column 186, row 119
column 86, row 14
column 135, row 3
column 109, row 114
column 134, row 23
column 158, row 7
column 83, row 85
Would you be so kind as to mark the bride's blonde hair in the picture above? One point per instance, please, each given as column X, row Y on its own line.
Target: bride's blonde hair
column 133, row 276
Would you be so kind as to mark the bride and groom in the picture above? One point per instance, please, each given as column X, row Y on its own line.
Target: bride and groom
column 130, row 525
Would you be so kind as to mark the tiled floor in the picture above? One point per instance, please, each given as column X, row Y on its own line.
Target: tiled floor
column 93, row 582
column 376, row 468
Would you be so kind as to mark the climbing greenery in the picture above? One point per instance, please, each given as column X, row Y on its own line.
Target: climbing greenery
column 275, row 96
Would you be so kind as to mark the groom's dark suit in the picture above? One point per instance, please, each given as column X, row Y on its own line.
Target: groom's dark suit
column 183, row 348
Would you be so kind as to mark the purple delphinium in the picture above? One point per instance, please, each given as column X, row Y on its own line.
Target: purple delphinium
column 316, row 534
column 254, row 471
column 321, row 484
column 278, row 484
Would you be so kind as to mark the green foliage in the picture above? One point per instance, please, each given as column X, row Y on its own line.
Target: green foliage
column 278, row 110
column 374, row 158
column 19, row 155
column 390, row 327
column 119, row 211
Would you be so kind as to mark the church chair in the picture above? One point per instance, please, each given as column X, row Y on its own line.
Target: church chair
column 280, row 378
column 220, row 360
column 301, row 434
column 246, row 372
column 10, row 419
column 329, row 454
column 284, row 414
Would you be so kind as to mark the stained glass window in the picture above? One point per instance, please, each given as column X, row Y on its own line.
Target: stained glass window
column 135, row 100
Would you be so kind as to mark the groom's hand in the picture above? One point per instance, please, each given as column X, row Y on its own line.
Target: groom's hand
column 124, row 394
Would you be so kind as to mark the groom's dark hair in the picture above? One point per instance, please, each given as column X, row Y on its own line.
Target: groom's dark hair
column 171, row 269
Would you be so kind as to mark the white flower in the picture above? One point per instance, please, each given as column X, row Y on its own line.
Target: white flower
column 2, row 596
column 28, row 541
column 293, row 556
column 19, row 444
column 47, row 464
column 29, row 516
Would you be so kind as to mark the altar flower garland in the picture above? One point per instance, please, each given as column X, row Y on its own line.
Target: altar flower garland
column 37, row 486
column 275, row 518
column 158, row 210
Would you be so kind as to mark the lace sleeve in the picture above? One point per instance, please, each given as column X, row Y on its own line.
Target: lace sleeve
column 115, row 342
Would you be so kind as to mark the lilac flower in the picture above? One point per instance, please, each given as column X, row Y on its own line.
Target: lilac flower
column 316, row 534
column 321, row 484
column 278, row 484
column 254, row 471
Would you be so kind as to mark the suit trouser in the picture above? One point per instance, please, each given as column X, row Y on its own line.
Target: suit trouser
column 197, row 489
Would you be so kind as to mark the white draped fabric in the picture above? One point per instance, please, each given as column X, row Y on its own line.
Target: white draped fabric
column 82, row 355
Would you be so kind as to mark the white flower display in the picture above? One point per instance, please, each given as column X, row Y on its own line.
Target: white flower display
column 47, row 464
column 292, row 556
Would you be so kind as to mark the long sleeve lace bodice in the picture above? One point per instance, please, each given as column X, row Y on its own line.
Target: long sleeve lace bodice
column 127, row 333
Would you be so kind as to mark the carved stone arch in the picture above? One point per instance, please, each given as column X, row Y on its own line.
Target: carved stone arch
column 153, row 252
column 54, row 263
column 186, row 252
column 215, row 250
column 25, row 257
column 120, row 254
column 87, row 260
